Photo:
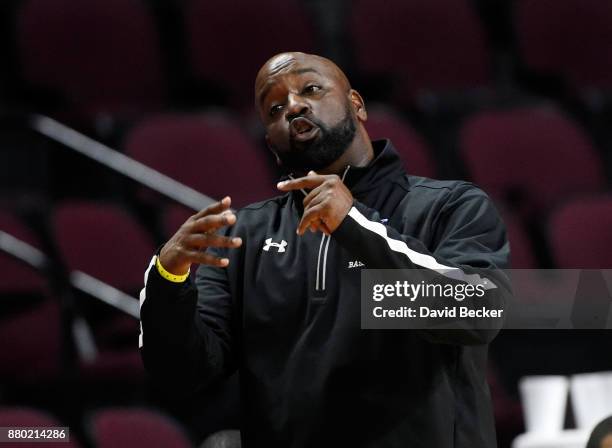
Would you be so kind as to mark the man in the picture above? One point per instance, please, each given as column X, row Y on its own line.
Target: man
column 277, row 293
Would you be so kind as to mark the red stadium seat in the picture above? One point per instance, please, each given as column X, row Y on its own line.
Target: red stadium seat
column 104, row 241
column 230, row 40
column 27, row 417
column 174, row 217
column 529, row 157
column 102, row 55
column 579, row 233
column 115, row 366
column 17, row 277
column 427, row 45
column 32, row 355
column 136, row 428
column 209, row 153
column 383, row 123
column 31, row 344
column 570, row 38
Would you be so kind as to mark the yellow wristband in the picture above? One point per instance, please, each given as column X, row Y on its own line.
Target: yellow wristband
column 168, row 276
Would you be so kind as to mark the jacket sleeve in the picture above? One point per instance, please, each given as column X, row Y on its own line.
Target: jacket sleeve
column 185, row 340
column 469, row 245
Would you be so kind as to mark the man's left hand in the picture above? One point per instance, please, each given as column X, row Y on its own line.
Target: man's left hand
column 327, row 204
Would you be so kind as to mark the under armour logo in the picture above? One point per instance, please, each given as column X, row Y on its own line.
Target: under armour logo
column 280, row 246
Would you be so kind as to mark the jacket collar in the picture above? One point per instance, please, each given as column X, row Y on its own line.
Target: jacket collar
column 385, row 166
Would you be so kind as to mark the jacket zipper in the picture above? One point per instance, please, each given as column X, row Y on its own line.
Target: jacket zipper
column 323, row 249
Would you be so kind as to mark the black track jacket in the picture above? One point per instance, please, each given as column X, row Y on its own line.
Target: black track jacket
column 286, row 312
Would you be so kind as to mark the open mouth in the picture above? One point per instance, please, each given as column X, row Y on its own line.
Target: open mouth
column 302, row 129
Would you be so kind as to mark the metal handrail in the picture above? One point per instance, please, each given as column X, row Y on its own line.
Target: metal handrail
column 79, row 280
column 120, row 163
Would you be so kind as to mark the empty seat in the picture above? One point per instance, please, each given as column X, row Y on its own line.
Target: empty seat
column 28, row 417
column 136, row 428
column 174, row 217
column 529, row 157
column 102, row 56
column 383, row 123
column 209, row 153
column 579, row 233
column 29, row 319
column 104, row 241
column 31, row 338
column 114, row 366
column 17, row 277
column 423, row 45
column 230, row 40
column 570, row 38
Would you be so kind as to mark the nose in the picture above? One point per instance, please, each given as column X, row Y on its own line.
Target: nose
column 296, row 106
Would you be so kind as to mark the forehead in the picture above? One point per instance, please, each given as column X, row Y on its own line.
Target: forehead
column 284, row 66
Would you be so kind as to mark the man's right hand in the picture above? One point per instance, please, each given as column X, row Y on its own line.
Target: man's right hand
column 189, row 243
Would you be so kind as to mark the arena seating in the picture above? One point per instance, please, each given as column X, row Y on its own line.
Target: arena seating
column 568, row 39
column 29, row 417
column 210, row 153
column 385, row 123
column 427, row 46
column 174, row 217
column 31, row 338
column 101, row 56
column 125, row 427
column 32, row 355
column 95, row 237
column 530, row 158
column 136, row 428
column 154, row 62
column 251, row 34
column 579, row 233
column 18, row 278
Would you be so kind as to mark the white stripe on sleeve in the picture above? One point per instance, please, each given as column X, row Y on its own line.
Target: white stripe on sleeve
column 423, row 260
column 143, row 294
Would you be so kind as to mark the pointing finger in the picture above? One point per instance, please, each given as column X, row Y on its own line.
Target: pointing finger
column 310, row 181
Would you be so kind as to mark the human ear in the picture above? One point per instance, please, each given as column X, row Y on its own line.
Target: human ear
column 358, row 105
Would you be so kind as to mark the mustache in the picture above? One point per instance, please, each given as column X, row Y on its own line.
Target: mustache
column 310, row 118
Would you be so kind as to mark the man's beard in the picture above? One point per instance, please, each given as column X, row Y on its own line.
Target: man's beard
column 322, row 151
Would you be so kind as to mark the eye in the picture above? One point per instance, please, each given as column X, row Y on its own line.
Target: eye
column 274, row 109
column 312, row 88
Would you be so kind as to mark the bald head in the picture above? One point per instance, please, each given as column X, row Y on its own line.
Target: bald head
column 296, row 62
column 313, row 118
